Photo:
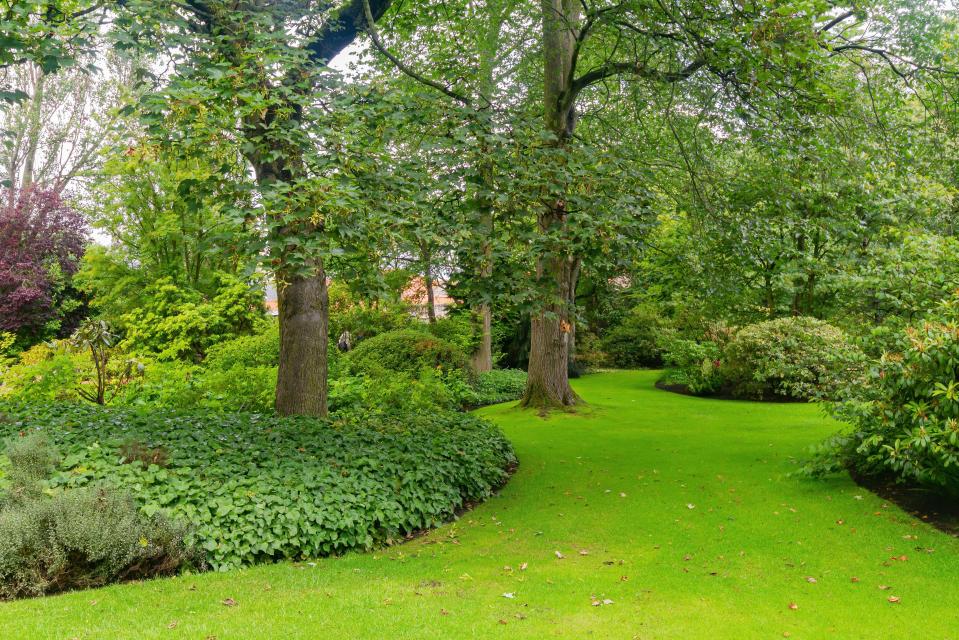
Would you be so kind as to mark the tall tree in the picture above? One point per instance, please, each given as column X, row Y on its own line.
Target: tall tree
column 257, row 64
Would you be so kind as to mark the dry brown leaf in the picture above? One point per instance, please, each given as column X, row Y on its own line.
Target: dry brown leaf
column 793, row 606
column 893, row 599
column 229, row 602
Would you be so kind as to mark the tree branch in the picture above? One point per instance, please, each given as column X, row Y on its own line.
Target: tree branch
column 633, row 68
column 340, row 31
column 402, row 66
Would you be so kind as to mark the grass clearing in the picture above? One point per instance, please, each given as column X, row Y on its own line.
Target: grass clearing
column 676, row 509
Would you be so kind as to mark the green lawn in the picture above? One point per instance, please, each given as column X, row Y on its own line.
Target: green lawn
column 676, row 509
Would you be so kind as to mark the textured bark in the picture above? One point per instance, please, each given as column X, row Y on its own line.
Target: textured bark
column 304, row 314
column 552, row 327
column 483, row 358
column 552, row 332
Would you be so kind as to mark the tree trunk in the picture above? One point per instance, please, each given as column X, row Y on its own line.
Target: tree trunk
column 547, row 385
column 430, row 301
column 552, row 326
column 483, row 358
column 303, row 312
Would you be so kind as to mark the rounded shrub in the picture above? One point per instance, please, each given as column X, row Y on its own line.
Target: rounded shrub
column 797, row 358
column 406, row 351
column 261, row 349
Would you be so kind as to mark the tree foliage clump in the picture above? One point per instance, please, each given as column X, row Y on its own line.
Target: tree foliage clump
column 42, row 239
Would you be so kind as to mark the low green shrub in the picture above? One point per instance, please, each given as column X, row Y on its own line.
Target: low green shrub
column 175, row 323
column 261, row 349
column 76, row 538
column 799, row 358
column 461, row 330
column 499, row 385
column 904, row 410
column 257, row 487
column 407, row 351
column 693, row 364
column 636, row 341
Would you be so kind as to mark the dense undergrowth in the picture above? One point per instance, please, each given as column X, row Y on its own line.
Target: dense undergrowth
column 256, row 487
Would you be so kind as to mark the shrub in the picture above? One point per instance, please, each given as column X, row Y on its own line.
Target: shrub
column 800, row 358
column 258, row 487
column 636, row 341
column 179, row 323
column 693, row 364
column 262, row 349
column 407, row 351
column 460, row 330
column 76, row 538
column 904, row 410
column 499, row 385
column 362, row 319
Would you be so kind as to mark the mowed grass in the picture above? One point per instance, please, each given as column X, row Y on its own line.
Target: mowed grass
column 678, row 510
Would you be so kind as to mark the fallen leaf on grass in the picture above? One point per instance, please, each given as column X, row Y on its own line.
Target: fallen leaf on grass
column 884, row 587
column 810, row 580
column 893, row 599
column 559, row 555
column 583, row 552
column 523, row 566
column 229, row 602
column 793, row 606
column 509, row 595
column 172, row 625
column 854, row 579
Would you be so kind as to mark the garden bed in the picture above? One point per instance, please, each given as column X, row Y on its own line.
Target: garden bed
column 259, row 488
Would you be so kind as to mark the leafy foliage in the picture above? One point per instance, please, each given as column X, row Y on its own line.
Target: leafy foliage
column 257, row 487
column 41, row 243
column 78, row 537
column 904, row 412
column 407, row 351
column 798, row 358
column 635, row 342
column 178, row 323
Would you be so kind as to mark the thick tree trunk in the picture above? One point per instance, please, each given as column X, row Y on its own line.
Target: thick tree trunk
column 552, row 331
column 304, row 312
column 552, row 327
column 430, row 298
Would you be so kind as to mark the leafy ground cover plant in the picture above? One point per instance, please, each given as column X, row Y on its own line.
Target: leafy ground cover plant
column 257, row 487
column 78, row 537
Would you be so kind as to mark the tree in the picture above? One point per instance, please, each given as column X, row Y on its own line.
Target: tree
column 41, row 241
column 255, row 68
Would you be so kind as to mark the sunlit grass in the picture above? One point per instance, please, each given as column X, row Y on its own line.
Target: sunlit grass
column 676, row 510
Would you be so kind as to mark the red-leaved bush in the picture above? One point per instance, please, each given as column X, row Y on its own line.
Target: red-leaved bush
column 40, row 235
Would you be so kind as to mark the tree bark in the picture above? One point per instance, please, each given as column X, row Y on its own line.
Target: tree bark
column 428, row 283
column 483, row 358
column 304, row 316
column 547, row 385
